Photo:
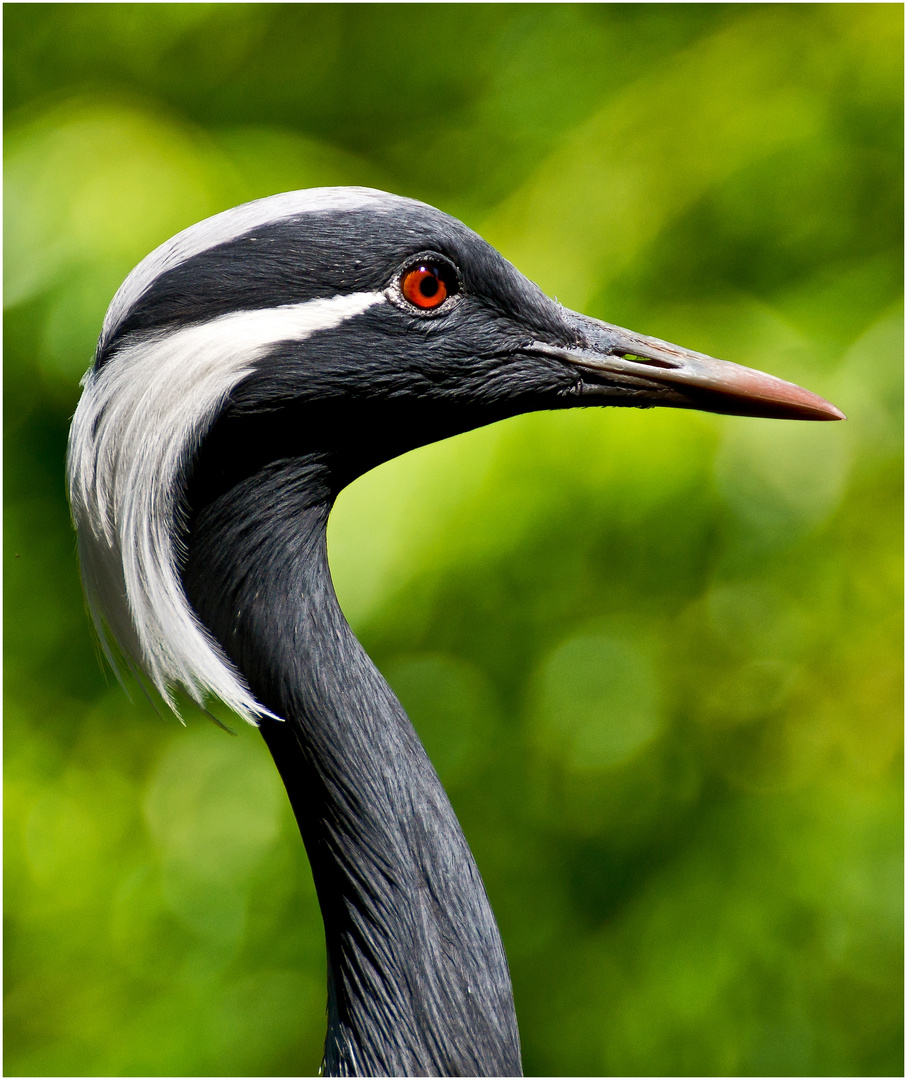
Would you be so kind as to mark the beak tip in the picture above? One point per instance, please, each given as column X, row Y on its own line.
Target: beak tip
column 827, row 411
column 796, row 403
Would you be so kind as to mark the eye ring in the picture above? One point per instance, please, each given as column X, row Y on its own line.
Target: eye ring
column 428, row 282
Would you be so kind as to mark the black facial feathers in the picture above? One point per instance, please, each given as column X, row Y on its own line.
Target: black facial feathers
column 323, row 254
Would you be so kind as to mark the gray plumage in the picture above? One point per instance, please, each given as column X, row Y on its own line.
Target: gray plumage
column 248, row 370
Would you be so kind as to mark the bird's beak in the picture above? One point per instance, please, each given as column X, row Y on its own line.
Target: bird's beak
column 633, row 369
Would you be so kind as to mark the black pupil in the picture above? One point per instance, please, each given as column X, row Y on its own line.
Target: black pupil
column 429, row 285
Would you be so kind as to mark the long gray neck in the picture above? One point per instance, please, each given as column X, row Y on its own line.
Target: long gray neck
column 417, row 977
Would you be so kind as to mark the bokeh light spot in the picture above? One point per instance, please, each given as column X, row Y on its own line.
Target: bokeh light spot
column 597, row 703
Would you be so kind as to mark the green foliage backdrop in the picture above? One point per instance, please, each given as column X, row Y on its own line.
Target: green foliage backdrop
column 656, row 656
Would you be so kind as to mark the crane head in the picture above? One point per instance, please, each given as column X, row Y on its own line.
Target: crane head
column 345, row 323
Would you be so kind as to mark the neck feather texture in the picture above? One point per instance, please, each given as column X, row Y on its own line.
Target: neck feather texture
column 417, row 978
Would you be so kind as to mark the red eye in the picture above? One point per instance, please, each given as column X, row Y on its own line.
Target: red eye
column 424, row 286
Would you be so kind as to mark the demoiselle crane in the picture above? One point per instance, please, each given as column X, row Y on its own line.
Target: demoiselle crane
column 247, row 370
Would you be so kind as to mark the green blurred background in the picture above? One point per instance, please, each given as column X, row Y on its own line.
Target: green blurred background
column 656, row 657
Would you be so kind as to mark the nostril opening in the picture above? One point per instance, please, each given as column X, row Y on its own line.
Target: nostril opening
column 650, row 361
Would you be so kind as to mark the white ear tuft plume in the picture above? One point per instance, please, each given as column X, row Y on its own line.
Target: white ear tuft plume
column 140, row 421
